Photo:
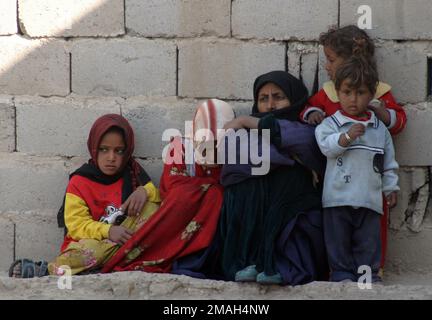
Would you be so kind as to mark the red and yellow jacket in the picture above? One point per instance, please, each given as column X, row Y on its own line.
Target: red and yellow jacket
column 86, row 202
column 327, row 101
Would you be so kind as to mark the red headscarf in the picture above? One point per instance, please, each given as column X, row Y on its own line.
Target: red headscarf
column 131, row 170
column 101, row 126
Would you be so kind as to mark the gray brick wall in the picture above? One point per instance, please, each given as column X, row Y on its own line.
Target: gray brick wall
column 173, row 18
column 392, row 19
column 64, row 63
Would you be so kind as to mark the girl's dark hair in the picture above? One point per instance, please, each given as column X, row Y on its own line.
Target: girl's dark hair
column 349, row 41
column 358, row 71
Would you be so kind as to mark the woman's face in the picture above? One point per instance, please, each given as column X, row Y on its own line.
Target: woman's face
column 271, row 97
column 333, row 62
column 111, row 153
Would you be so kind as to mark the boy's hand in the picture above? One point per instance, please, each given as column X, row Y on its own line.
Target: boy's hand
column 119, row 234
column 380, row 110
column 135, row 203
column 392, row 199
column 356, row 131
column 315, row 118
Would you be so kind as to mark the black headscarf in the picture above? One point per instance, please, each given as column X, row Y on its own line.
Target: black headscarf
column 293, row 88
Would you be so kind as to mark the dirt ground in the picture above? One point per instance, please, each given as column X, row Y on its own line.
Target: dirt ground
column 140, row 285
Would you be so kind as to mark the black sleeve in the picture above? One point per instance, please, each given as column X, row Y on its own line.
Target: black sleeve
column 270, row 122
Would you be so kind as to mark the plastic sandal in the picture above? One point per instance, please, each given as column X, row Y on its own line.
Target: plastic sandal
column 29, row 268
column 247, row 274
column 263, row 278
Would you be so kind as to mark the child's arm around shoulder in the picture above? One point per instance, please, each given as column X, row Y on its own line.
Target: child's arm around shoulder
column 396, row 118
column 314, row 111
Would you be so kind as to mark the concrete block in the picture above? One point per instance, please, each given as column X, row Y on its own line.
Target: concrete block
column 35, row 67
column 71, row 18
column 241, row 107
column 404, row 67
column 37, row 235
column 411, row 208
column 412, row 145
column 7, row 234
column 283, row 19
column 8, row 17
column 308, row 69
column 31, row 183
column 181, row 18
column 225, row 69
column 7, row 125
column 294, row 60
column 58, row 126
column 153, row 168
column 322, row 73
column 408, row 251
column 125, row 67
column 151, row 117
column 391, row 19
column 302, row 62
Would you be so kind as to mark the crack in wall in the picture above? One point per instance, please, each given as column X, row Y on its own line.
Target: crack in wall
column 177, row 70
column 19, row 27
column 14, row 242
column 15, row 126
column 231, row 31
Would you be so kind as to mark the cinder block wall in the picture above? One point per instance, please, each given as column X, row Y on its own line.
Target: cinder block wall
column 65, row 63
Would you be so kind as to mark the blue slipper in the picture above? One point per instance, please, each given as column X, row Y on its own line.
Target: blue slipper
column 262, row 278
column 247, row 274
column 26, row 268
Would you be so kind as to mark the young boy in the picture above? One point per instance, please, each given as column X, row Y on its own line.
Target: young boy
column 360, row 166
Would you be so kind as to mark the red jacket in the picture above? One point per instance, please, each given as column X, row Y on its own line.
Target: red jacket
column 327, row 101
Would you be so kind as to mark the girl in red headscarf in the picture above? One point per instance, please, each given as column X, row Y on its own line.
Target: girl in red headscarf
column 111, row 186
column 192, row 197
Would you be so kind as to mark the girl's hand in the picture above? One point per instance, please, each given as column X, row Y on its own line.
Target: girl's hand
column 119, row 234
column 392, row 199
column 380, row 110
column 315, row 118
column 135, row 203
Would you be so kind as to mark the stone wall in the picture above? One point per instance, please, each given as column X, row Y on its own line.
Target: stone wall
column 65, row 63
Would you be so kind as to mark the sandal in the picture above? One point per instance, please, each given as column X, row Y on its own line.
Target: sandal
column 26, row 268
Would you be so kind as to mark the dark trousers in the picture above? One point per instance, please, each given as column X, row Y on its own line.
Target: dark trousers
column 352, row 238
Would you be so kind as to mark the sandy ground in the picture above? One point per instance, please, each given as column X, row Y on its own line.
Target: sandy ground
column 140, row 285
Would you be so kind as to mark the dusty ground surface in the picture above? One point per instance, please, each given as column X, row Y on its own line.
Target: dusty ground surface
column 139, row 285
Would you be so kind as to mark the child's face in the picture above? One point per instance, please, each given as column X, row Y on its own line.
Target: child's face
column 111, row 153
column 271, row 97
column 333, row 62
column 354, row 101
